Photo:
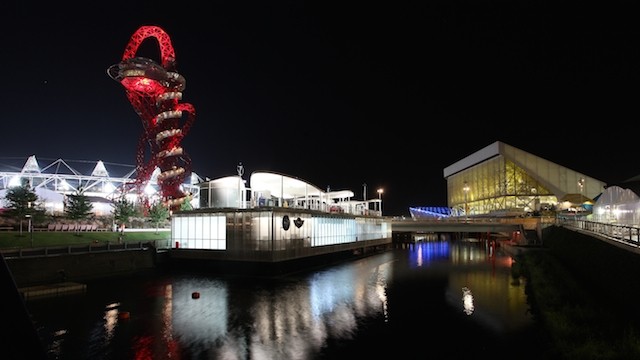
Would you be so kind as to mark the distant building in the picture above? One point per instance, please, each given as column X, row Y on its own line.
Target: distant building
column 501, row 180
column 54, row 181
column 431, row 212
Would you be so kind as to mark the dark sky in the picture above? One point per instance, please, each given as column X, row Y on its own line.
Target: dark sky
column 337, row 94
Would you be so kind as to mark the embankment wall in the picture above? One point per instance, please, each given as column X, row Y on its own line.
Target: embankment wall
column 29, row 271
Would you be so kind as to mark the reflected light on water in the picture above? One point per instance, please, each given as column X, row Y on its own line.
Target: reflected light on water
column 425, row 252
column 282, row 324
column 330, row 288
column 467, row 301
column 167, row 323
column 381, row 288
column 110, row 320
column 167, row 327
column 287, row 321
column 496, row 302
column 304, row 316
column 202, row 320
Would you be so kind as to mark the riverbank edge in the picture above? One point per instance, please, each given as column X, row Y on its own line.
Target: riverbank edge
column 583, row 292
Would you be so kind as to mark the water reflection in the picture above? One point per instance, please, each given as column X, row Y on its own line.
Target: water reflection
column 284, row 320
column 110, row 320
column 426, row 252
column 297, row 317
column 497, row 302
column 467, row 300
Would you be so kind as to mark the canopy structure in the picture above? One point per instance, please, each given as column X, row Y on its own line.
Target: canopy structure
column 617, row 205
column 283, row 186
column 576, row 203
column 275, row 189
column 577, row 199
column 284, row 190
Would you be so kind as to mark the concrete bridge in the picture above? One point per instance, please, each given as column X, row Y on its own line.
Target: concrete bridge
column 523, row 230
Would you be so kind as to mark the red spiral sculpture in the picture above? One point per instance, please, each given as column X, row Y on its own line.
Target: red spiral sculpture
column 155, row 92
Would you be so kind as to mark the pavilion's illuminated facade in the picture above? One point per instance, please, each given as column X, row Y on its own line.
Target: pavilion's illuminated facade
column 278, row 218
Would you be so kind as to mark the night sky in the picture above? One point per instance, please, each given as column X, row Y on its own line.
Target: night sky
column 335, row 93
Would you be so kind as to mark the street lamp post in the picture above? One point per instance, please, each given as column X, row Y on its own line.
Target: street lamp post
column 380, row 191
column 28, row 216
column 581, row 185
column 240, row 170
column 466, row 207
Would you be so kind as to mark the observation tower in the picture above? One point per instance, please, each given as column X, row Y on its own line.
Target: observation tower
column 155, row 91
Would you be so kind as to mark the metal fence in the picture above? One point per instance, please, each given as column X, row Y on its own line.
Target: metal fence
column 626, row 234
column 84, row 249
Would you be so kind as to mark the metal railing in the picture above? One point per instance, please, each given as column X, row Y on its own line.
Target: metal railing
column 626, row 234
column 84, row 248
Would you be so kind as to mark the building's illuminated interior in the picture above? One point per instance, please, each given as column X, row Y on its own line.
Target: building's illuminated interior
column 277, row 217
column 503, row 180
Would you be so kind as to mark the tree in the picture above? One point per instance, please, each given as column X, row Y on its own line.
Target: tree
column 158, row 213
column 78, row 207
column 23, row 203
column 186, row 205
column 123, row 211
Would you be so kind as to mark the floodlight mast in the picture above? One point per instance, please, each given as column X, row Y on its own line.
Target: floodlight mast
column 155, row 90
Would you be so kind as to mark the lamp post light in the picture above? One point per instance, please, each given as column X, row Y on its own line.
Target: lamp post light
column 380, row 191
column 28, row 216
column 581, row 186
column 240, row 170
column 466, row 210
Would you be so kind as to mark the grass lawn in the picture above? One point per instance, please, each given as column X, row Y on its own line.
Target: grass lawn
column 16, row 239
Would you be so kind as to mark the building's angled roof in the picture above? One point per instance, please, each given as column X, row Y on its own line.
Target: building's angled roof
column 97, row 179
column 558, row 179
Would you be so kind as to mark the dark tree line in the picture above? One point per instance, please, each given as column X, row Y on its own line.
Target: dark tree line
column 23, row 204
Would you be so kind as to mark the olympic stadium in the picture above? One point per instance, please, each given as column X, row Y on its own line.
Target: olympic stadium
column 100, row 181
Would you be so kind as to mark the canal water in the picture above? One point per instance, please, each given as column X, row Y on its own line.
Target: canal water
column 431, row 300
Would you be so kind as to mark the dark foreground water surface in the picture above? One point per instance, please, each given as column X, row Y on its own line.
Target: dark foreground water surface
column 432, row 300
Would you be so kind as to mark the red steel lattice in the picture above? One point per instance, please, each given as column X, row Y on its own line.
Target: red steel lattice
column 155, row 90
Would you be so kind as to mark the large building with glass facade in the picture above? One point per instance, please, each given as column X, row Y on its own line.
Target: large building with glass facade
column 501, row 180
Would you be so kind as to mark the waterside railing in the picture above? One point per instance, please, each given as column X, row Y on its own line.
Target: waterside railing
column 84, row 248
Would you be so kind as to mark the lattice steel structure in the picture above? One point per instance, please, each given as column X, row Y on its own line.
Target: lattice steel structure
column 155, row 91
column 101, row 182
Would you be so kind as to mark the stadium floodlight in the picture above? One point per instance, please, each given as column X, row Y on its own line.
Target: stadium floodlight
column 15, row 181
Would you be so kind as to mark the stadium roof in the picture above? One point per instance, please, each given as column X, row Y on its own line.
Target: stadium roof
column 95, row 178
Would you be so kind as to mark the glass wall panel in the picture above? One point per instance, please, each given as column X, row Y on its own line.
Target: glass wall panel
column 495, row 185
